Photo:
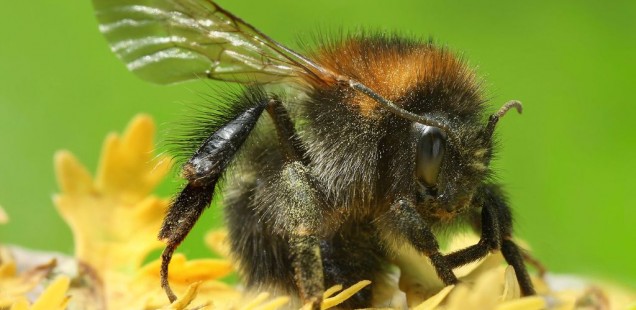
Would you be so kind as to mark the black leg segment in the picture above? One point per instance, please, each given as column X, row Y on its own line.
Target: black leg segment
column 490, row 240
column 307, row 264
column 292, row 148
column 495, row 224
column 298, row 208
column 183, row 214
column 297, row 211
column 512, row 254
column 405, row 222
column 203, row 171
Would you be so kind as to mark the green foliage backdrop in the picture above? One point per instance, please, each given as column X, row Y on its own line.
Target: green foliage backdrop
column 568, row 161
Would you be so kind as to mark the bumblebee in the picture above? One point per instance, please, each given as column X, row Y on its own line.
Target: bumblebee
column 372, row 143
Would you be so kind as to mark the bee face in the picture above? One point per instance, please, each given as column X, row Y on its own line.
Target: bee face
column 448, row 172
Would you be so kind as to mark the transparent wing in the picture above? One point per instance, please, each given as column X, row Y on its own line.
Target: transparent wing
column 168, row 41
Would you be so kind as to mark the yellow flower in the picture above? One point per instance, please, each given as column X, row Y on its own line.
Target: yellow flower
column 115, row 218
column 4, row 218
column 53, row 298
column 15, row 286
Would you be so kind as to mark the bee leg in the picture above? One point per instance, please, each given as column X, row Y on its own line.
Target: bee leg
column 291, row 146
column 404, row 221
column 183, row 214
column 307, row 264
column 296, row 212
column 490, row 240
column 510, row 250
column 496, row 234
column 512, row 254
column 298, row 208
column 203, row 171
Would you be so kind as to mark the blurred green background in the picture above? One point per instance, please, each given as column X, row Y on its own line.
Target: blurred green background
column 568, row 161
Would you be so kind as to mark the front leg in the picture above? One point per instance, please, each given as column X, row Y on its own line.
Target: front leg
column 405, row 222
column 490, row 239
column 495, row 224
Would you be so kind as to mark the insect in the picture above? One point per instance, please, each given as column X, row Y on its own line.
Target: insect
column 373, row 142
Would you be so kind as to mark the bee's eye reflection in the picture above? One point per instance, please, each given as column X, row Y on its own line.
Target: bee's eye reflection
column 430, row 148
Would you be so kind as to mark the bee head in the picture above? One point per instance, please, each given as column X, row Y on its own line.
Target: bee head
column 450, row 163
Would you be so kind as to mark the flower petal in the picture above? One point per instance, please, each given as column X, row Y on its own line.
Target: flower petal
column 128, row 169
column 274, row 304
column 433, row 302
column 331, row 302
column 72, row 177
column 182, row 302
column 14, row 285
column 4, row 218
column 54, row 297
column 511, row 285
column 216, row 240
column 188, row 272
column 21, row 304
column 253, row 304
column 526, row 303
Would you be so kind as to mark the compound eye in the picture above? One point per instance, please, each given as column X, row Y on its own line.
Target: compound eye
column 430, row 148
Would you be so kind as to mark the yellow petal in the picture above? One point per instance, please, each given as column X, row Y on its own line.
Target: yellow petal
column 4, row 218
column 128, row 169
column 259, row 299
column 7, row 270
column 485, row 293
column 274, row 304
column 511, row 285
column 489, row 286
column 13, row 286
column 216, row 240
column 72, row 177
column 344, row 295
column 457, row 300
column 54, row 296
column 182, row 302
column 490, row 262
column 526, row 303
column 181, row 270
column 332, row 290
column 433, row 302
column 110, row 235
column 21, row 304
